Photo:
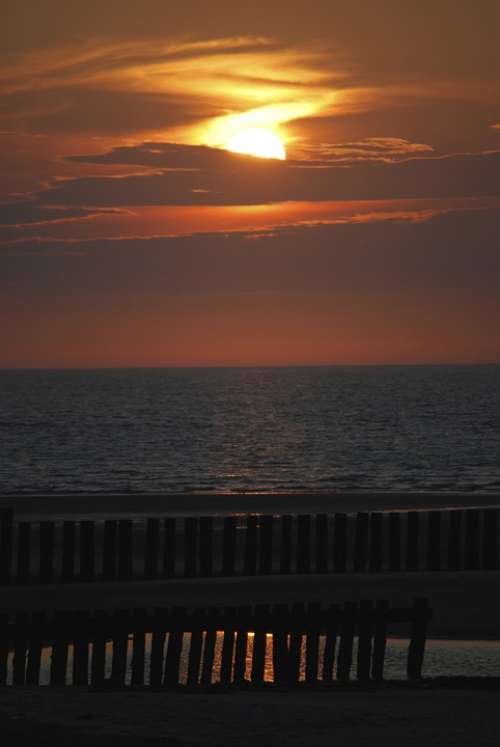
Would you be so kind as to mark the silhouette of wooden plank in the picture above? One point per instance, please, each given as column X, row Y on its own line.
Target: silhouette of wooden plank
column 303, row 543
column 139, row 624
column 412, row 563
column 312, row 642
column 321, row 543
column 68, row 552
column 6, row 535
column 120, row 622
column 394, row 541
column 34, row 649
column 472, row 539
column 416, row 648
column 286, row 544
column 240, row 656
column 59, row 658
column 433, row 540
column 194, row 661
column 80, row 654
column 110, row 550
column 169, row 548
column 190, row 546
column 344, row 660
column 20, row 644
column 490, row 539
column 174, row 648
column 87, row 551
column 4, row 647
column 207, row 666
column 206, row 546
column 157, row 651
column 266, row 545
column 152, row 549
column 229, row 546
column 98, row 661
column 375, row 542
column 46, row 552
column 330, row 644
column 226, row 660
column 454, row 540
column 250, row 559
column 364, row 640
column 339, row 543
column 295, row 647
column 361, row 542
column 23, row 552
column 125, row 549
column 280, row 646
column 259, row 647
column 379, row 640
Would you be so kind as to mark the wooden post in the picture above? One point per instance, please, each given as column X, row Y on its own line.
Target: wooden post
column 59, row 659
column 206, row 546
column 330, row 644
column 361, row 542
column 339, row 543
column 174, row 648
column 303, row 543
column 472, row 539
column 229, row 546
column 416, row 649
column 394, row 541
column 35, row 649
column 98, row 662
column 250, row 560
column 312, row 642
column 109, row 551
column 266, row 545
column 490, row 540
column 280, row 648
column 190, row 546
column 157, row 651
column 68, row 552
column 23, row 552
column 6, row 529
column 125, row 549
column 19, row 646
column 87, row 551
column 286, row 544
column 295, row 649
column 169, row 548
column 226, row 660
column 433, row 540
column 344, row 661
column 207, row 666
column 365, row 615
column 412, row 563
column 194, row 662
column 321, row 543
column 151, row 549
column 138, row 647
column 454, row 540
column 375, row 542
column 259, row 647
column 240, row 657
column 380, row 640
column 46, row 552
column 80, row 653
column 120, row 646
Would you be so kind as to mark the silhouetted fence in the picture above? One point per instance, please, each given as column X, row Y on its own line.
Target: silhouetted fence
column 68, row 551
column 165, row 648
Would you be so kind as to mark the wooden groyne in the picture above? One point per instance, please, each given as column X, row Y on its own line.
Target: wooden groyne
column 67, row 551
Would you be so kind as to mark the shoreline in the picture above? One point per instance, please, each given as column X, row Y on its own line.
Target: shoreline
column 183, row 504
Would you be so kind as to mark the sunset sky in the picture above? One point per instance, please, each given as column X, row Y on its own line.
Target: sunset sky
column 131, row 234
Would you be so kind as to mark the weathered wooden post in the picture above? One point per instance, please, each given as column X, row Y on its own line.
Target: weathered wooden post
column 416, row 649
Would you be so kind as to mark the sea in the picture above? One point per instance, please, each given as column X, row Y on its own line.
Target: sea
column 258, row 430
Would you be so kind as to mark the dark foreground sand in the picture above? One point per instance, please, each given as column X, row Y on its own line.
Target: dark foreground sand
column 429, row 715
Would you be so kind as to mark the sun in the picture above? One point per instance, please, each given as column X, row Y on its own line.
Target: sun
column 257, row 141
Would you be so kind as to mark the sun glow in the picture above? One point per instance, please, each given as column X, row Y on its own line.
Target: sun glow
column 257, row 141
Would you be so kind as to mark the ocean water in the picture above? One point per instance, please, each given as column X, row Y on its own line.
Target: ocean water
column 250, row 429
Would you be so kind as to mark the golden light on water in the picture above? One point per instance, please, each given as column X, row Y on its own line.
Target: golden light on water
column 257, row 141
